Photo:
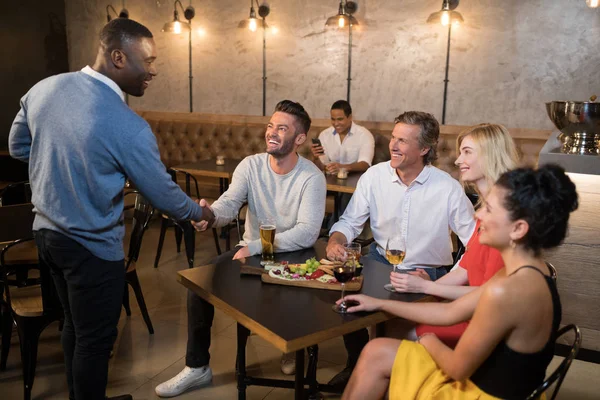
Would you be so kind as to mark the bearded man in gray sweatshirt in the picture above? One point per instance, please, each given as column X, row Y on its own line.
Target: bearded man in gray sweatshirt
column 279, row 185
column 82, row 142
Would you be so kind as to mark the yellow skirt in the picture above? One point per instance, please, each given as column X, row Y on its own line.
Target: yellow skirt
column 416, row 376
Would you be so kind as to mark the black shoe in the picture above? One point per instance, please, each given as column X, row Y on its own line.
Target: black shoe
column 341, row 379
column 121, row 397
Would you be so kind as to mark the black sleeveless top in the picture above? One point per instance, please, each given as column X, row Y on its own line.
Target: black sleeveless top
column 508, row 374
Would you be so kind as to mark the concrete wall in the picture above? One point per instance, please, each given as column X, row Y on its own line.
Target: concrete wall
column 506, row 60
column 34, row 46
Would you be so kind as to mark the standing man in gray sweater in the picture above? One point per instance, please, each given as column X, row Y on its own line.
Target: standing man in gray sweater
column 82, row 142
column 279, row 185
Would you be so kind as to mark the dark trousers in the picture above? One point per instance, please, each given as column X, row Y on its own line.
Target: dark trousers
column 90, row 290
column 200, row 319
column 357, row 340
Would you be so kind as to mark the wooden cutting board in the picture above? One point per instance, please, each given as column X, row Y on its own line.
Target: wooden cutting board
column 352, row 286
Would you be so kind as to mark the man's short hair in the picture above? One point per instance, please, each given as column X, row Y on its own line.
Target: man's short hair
column 344, row 106
column 302, row 119
column 120, row 31
column 429, row 131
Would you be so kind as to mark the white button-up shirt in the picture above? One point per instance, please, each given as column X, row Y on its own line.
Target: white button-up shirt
column 423, row 213
column 104, row 79
column 358, row 145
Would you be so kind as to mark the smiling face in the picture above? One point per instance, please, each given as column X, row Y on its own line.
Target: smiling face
column 281, row 138
column 405, row 150
column 137, row 66
column 469, row 161
column 496, row 229
column 340, row 122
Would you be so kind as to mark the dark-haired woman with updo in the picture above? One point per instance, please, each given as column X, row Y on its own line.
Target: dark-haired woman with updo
column 509, row 342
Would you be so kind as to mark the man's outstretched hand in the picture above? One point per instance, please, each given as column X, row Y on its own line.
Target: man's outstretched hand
column 207, row 219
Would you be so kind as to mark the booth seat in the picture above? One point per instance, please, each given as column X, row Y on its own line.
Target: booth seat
column 189, row 137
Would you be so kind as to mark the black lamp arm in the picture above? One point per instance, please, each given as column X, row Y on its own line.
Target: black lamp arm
column 108, row 8
column 188, row 12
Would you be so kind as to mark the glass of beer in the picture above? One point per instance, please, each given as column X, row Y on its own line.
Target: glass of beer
column 395, row 251
column 267, row 238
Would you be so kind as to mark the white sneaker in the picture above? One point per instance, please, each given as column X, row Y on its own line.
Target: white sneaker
column 288, row 363
column 186, row 379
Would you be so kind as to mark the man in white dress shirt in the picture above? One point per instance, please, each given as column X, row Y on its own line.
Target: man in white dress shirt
column 344, row 144
column 406, row 196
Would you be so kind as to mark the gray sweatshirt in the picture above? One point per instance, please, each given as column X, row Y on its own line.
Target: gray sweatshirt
column 296, row 201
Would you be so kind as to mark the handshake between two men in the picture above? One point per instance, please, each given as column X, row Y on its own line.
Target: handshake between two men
column 207, row 221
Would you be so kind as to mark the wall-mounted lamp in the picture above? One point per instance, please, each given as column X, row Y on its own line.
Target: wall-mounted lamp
column 592, row 3
column 447, row 17
column 177, row 27
column 252, row 23
column 122, row 14
column 342, row 19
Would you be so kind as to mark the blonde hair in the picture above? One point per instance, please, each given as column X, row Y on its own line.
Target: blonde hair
column 496, row 150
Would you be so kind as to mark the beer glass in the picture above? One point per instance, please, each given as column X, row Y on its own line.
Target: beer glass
column 267, row 238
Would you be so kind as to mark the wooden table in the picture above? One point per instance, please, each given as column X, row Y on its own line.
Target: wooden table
column 340, row 187
column 290, row 318
column 209, row 168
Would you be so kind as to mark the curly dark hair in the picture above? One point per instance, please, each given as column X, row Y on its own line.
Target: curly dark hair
column 344, row 106
column 544, row 198
column 120, row 31
column 303, row 120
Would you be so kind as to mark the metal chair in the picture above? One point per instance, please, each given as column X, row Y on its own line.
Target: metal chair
column 31, row 307
column 183, row 228
column 142, row 214
column 561, row 371
column 16, row 193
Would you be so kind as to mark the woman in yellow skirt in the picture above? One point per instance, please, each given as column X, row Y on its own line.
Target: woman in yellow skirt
column 509, row 342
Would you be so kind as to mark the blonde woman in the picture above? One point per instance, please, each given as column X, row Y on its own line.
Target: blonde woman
column 509, row 343
column 485, row 152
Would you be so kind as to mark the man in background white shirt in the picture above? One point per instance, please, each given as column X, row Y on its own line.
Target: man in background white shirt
column 406, row 196
column 345, row 144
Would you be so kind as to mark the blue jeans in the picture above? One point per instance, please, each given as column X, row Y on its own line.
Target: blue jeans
column 434, row 273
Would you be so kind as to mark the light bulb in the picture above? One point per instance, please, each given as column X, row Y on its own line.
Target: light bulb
column 252, row 24
column 592, row 3
column 341, row 21
column 177, row 27
column 201, row 32
column 445, row 18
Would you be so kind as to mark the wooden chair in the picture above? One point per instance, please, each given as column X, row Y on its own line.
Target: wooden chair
column 561, row 371
column 31, row 307
column 183, row 228
column 142, row 214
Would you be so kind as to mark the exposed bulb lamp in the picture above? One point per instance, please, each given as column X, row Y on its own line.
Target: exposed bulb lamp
column 340, row 20
column 447, row 17
column 177, row 27
column 122, row 14
column 253, row 23
column 592, row 3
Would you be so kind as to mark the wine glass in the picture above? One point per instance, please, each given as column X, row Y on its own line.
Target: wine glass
column 395, row 251
column 352, row 251
column 343, row 274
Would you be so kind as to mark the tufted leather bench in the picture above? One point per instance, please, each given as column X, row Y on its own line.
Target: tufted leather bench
column 189, row 137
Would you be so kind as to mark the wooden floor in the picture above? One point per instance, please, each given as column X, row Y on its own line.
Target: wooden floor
column 142, row 361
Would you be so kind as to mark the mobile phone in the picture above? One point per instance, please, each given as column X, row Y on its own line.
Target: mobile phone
column 317, row 141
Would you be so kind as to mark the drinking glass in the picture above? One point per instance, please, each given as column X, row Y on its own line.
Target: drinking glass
column 343, row 274
column 395, row 251
column 352, row 251
column 267, row 238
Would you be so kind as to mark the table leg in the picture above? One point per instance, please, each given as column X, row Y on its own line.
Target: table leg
column 299, row 389
column 337, row 206
column 311, row 373
column 240, row 364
